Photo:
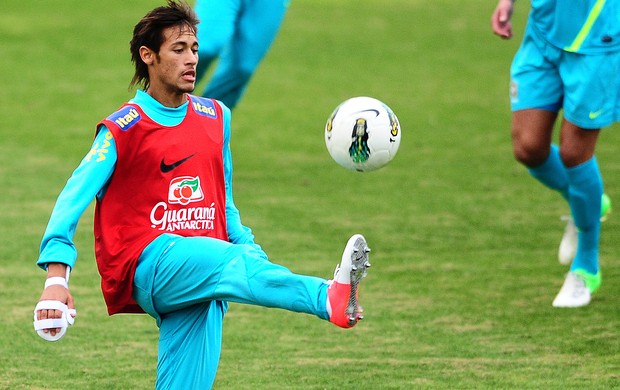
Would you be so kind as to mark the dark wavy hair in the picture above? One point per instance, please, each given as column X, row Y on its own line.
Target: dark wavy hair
column 149, row 32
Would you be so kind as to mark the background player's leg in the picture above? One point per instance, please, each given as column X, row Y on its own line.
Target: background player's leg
column 257, row 27
column 585, row 192
column 552, row 172
column 532, row 130
column 531, row 134
column 215, row 30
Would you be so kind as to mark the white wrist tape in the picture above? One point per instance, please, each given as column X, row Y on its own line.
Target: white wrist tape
column 56, row 280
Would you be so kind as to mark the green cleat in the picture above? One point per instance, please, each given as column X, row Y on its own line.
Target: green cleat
column 605, row 207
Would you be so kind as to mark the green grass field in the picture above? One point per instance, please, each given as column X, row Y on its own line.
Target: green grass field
column 464, row 241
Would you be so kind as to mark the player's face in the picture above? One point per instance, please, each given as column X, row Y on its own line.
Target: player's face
column 172, row 71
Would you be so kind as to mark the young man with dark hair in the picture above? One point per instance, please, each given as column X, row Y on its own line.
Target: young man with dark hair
column 168, row 236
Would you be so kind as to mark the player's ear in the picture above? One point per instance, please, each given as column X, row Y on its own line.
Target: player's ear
column 147, row 55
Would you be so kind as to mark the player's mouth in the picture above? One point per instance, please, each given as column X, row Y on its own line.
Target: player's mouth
column 189, row 76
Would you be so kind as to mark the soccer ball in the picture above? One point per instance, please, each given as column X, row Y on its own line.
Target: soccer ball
column 362, row 134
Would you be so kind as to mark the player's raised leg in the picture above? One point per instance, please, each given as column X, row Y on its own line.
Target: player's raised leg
column 193, row 270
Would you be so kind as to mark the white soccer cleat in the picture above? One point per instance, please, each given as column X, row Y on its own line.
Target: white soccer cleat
column 574, row 292
column 568, row 245
column 343, row 303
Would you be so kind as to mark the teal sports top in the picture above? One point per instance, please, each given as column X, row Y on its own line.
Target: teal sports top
column 580, row 26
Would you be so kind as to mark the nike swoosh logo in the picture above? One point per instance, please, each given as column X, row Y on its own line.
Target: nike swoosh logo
column 165, row 168
column 595, row 114
column 372, row 110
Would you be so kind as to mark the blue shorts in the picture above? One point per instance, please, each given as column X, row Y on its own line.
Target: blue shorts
column 587, row 87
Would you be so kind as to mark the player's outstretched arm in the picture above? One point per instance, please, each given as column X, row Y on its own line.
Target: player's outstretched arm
column 500, row 20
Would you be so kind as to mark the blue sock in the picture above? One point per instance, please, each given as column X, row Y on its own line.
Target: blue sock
column 585, row 191
column 552, row 173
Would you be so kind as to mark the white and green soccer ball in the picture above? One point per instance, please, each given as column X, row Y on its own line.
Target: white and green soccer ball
column 362, row 134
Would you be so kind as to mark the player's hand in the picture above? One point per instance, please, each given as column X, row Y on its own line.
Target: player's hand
column 500, row 20
column 55, row 293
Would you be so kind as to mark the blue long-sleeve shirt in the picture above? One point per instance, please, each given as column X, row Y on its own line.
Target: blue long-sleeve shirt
column 90, row 178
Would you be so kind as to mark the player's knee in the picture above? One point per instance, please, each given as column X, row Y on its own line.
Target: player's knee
column 530, row 154
column 571, row 157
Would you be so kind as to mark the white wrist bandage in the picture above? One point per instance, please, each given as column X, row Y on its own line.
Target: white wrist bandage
column 56, row 280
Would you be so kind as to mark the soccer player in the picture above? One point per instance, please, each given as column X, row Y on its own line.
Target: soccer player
column 569, row 59
column 168, row 236
column 238, row 33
